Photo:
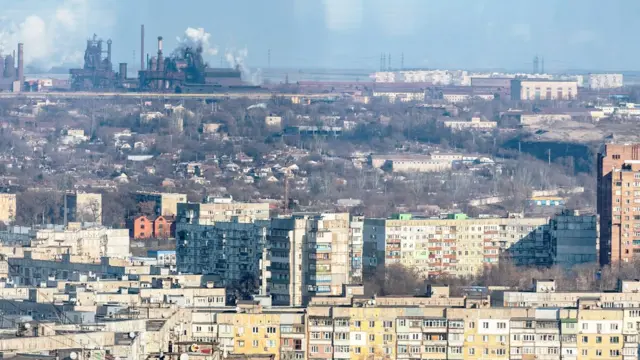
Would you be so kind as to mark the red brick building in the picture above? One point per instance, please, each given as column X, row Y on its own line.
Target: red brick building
column 144, row 227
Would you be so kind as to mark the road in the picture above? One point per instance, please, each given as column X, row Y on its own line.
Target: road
column 147, row 95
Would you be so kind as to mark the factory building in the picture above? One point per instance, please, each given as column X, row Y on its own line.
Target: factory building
column 12, row 74
column 543, row 89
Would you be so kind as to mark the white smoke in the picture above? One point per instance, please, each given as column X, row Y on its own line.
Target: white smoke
column 195, row 37
column 236, row 59
column 53, row 35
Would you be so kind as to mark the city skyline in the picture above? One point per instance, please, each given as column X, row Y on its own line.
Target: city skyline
column 348, row 34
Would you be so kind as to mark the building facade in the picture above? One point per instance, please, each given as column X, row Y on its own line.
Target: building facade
column 7, row 208
column 84, row 207
column 605, row 81
column 575, row 239
column 455, row 245
column 542, row 89
column 165, row 204
column 618, row 191
column 308, row 256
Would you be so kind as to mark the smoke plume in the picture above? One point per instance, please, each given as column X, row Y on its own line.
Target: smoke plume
column 236, row 59
column 198, row 38
column 53, row 35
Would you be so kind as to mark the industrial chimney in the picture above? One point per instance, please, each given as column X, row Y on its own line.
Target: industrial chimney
column 142, row 47
column 123, row 71
column 109, row 51
column 20, row 66
column 160, row 59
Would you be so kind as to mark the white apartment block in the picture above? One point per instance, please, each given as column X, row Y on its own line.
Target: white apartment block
column 605, row 81
column 456, row 245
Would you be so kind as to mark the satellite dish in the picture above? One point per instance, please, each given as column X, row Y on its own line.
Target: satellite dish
column 132, row 335
column 73, row 355
column 27, row 326
column 184, row 356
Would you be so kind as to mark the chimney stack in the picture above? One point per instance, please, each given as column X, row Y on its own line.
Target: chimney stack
column 20, row 66
column 123, row 71
column 109, row 51
column 142, row 47
column 160, row 59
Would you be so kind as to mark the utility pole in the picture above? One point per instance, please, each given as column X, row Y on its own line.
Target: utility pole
column 389, row 61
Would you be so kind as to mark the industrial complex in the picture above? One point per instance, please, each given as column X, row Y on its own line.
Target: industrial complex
column 184, row 71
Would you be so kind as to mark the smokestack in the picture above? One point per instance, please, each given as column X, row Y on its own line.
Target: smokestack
column 142, row 47
column 160, row 59
column 20, row 66
column 123, row 71
column 109, row 50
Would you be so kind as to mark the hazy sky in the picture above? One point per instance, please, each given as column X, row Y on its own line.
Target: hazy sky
column 570, row 34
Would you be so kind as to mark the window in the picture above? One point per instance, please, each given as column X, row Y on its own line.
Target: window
column 502, row 325
column 358, row 336
column 357, row 350
column 271, row 330
column 485, row 338
column 472, row 325
column 485, row 325
column 615, row 340
column 585, row 326
column 372, row 337
column 240, row 343
column 314, row 348
column 472, row 351
column 388, row 337
column 254, row 343
column 598, row 352
column 387, row 324
column 372, row 323
column 614, row 326
column 485, row 351
column 585, row 339
column 501, row 352
column 271, row 343
column 598, row 339
column 585, row 352
column 357, row 323
column 254, row 329
column 614, row 352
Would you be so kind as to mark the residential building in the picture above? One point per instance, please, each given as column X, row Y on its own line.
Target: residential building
column 7, row 208
column 309, row 256
column 93, row 242
column 575, row 239
column 605, row 81
column 475, row 124
column 84, row 207
column 273, row 120
column 165, row 204
column 355, row 249
column 394, row 93
column 617, row 190
column 233, row 250
column 455, row 245
column 543, row 89
column 159, row 227
column 211, row 212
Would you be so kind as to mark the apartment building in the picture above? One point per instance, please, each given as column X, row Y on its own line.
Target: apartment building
column 308, row 256
column 84, row 207
column 146, row 227
column 7, row 208
column 210, row 213
column 475, row 124
column 605, row 81
column 543, row 89
column 355, row 249
column 618, row 192
column 232, row 250
column 165, row 204
column 93, row 242
column 455, row 245
column 575, row 238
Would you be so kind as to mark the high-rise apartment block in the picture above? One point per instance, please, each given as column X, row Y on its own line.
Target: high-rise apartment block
column 355, row 249
column 227, row 239
column 309, row 256
column 619, row 202
column 456, row 245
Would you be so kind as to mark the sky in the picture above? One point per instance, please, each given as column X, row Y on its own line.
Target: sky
column 340, row 34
